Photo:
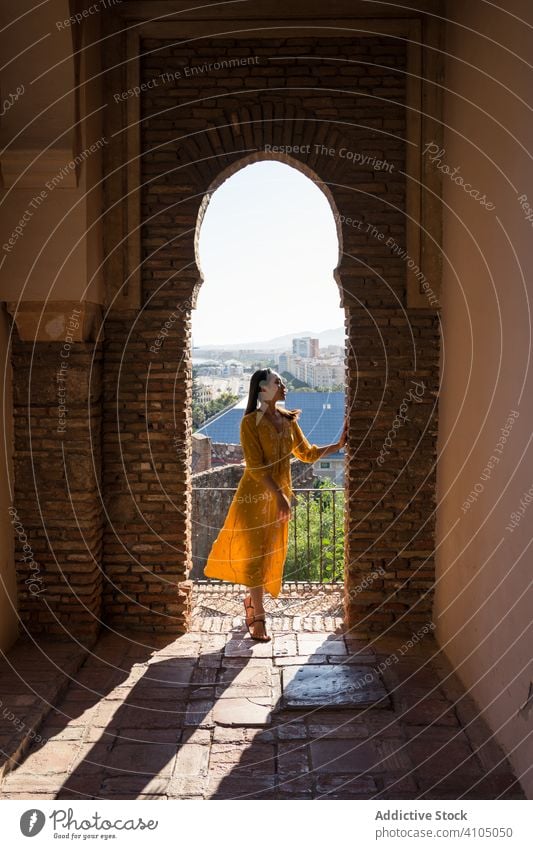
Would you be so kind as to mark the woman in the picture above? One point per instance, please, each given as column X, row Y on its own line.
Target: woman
column 251, row 546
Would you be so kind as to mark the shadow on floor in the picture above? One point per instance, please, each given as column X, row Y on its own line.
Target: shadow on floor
column 204, row 716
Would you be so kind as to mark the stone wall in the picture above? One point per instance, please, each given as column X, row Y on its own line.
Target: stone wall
column 207, row 454
column 224, row 452
column 211, row 497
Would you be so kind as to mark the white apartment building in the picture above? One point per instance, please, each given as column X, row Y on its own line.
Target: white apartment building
column 323, row 374
column 289, row 362
column 203, row 392
column 318, row 372
column 219, row 385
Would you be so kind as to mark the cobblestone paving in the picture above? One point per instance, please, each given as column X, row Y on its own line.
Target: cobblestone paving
column 200, row 716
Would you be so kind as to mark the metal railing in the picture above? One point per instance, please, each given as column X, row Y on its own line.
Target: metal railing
column 316, row 532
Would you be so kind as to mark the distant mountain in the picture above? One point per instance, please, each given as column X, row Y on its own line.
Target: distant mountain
column 335, row 336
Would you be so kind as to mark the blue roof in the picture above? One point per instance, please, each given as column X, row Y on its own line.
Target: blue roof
column 321, row 419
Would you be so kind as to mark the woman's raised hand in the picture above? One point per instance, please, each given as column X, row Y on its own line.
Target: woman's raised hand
column 344, row 434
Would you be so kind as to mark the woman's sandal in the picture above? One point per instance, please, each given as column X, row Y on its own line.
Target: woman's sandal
column 248, row 607
column 259, row 618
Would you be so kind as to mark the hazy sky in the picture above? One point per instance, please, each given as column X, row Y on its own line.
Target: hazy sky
column 268, row 247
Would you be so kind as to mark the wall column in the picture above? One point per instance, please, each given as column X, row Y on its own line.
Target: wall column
column 57, row 425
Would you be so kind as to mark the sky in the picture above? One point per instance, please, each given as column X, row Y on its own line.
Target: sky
column 268, row 246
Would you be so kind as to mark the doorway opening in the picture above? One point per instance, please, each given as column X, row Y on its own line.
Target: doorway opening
column 268, row 251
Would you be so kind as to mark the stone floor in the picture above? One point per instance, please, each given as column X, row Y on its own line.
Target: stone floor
column 205, row 715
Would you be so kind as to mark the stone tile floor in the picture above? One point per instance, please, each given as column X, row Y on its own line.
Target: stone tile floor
column 201, row 716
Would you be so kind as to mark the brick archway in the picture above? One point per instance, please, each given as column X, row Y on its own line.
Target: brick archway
column 169, row 305
column 344, row 85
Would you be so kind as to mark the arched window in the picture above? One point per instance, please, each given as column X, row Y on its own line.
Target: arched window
column 267, row 248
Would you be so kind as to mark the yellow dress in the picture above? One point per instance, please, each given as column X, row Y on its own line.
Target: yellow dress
column 251, row 546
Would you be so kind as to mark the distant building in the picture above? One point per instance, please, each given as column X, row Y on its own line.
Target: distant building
column 207, row 367
column 333, row 350
column 305, row 346
column 289, row 362
column 232, row 367
column 324, row 375
column 283, row 362
column 202, row 393
column 321, row 420
column 320, row 373
column 217, row 385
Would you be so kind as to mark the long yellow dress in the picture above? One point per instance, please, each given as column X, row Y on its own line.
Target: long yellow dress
column 251, row 546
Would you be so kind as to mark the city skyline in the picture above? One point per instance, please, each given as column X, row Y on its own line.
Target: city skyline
column 270, row 344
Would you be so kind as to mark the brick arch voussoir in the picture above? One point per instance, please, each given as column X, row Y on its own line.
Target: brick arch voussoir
column 251, row 128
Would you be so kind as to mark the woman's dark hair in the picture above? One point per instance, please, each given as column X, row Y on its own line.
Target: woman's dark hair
column 253, row 395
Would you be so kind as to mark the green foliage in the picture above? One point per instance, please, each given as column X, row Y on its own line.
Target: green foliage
column 316, row 535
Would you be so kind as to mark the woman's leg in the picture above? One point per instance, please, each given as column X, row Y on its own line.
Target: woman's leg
column 256, row 594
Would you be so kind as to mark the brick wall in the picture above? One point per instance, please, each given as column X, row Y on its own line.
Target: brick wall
column 147, row 471
column 196, row 130
column 59, row 516
column 392, row 504
column 201, row 453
